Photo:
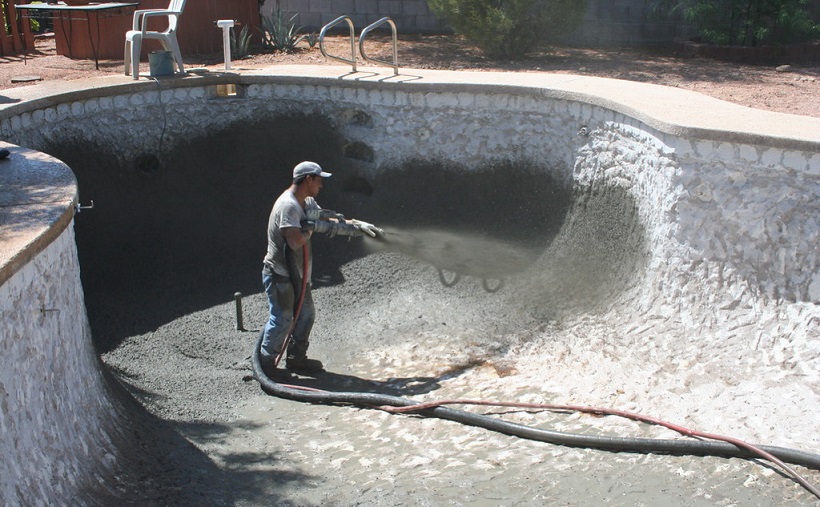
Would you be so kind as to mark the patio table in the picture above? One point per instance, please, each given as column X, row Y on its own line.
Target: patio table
column 79, row 12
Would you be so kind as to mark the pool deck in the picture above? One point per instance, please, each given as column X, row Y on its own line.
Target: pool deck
column 37, row 198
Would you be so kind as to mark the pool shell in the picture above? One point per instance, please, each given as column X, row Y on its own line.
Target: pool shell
column 617, row 184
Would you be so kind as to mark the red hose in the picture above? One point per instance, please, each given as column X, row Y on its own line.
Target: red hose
column 305, row 259
column 620, row 413
column 755, row 450
column 542, row 406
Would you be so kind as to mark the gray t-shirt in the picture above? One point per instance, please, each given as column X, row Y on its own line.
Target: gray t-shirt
column 287, row 212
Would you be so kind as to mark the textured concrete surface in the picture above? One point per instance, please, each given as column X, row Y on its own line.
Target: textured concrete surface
column 55, row 410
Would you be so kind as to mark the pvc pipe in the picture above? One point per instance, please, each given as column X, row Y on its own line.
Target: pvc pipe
column 240, row 325
column 226, row 25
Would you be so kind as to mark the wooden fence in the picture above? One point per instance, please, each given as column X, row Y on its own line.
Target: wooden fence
column 77, row 36
column 15, row 35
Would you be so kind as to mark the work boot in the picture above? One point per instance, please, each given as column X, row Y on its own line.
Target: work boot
column 273, row 373
column 303, row 365
column 268, row 366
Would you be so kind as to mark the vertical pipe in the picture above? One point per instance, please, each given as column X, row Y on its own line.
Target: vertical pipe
column 226, row 47
column 238, row 299
column 226, row 25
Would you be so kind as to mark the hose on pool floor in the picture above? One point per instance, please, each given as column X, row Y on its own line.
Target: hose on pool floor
column 722, row 446
column 717, row 445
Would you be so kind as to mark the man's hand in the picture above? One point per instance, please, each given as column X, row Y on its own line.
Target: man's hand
column 369, row 229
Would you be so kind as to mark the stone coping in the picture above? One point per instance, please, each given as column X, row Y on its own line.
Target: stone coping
column 38, row 194
column 674, row 111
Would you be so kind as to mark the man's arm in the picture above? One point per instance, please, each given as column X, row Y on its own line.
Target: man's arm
column 295, row 237
column 332, row 223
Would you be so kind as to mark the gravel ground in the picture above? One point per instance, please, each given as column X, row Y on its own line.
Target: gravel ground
column 393, row 327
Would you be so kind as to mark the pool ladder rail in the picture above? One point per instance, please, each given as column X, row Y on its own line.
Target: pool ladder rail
column 352, row 60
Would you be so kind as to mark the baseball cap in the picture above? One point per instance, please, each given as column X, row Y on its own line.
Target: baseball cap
column 309, row 168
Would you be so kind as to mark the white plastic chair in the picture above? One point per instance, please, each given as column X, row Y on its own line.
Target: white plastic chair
column 139, row 32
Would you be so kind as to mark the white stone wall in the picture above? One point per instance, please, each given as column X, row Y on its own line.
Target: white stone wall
column 55, row 413
column 764, row 202
column 742, row 217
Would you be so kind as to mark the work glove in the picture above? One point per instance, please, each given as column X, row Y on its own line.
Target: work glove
column 353, row 228
column 369, row 229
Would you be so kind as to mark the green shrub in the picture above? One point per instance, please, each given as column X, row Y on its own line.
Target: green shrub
column 508, row 29
column 746, row 22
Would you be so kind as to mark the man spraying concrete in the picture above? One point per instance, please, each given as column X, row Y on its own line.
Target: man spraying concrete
column 288, row 267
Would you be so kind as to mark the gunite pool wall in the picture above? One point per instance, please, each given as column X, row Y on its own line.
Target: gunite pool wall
column 724, row 200
column 57, row 417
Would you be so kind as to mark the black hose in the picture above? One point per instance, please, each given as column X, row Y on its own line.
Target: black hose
column 617, row 444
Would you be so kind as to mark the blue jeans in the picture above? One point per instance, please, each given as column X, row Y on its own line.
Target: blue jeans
column 282, row 304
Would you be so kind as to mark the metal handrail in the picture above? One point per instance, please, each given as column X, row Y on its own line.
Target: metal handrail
column 364, row 33
column 333, row 23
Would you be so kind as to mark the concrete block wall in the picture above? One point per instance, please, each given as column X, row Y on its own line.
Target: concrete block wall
column 410, row 16
column 618, row 22
column 626, row 23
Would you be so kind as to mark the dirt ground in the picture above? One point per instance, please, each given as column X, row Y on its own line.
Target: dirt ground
column 794, row 90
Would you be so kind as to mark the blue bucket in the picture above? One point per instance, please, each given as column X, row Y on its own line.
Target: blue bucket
column 161, row 63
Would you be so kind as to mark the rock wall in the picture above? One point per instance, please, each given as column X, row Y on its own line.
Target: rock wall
column 748, row 208
column 55, row 411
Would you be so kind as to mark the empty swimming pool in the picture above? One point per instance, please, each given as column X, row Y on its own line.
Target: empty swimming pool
column 644, row 260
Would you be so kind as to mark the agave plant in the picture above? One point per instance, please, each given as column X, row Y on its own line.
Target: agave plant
column 280, row 34
column 240, row 45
